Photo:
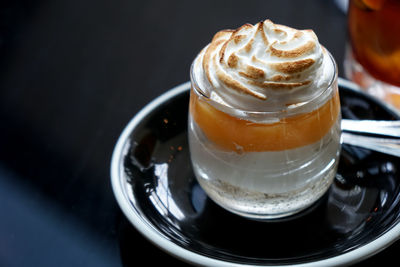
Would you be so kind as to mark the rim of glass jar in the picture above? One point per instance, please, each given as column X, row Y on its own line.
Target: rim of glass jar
column 312, row 104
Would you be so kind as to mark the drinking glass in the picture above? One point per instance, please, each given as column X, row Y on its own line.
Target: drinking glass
column 373, row 55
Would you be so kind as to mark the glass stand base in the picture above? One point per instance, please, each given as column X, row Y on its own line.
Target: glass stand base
column 356, row 73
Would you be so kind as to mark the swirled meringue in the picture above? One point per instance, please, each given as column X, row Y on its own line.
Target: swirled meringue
column 263, row 67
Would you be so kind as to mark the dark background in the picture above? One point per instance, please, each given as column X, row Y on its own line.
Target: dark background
column 72, row 74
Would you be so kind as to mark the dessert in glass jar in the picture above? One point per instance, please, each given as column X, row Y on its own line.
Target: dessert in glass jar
column 264, row 120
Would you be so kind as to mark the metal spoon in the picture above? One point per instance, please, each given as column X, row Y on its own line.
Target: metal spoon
column 384, row 129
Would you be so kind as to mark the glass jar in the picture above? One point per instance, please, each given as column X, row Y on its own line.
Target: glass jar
column 265, row 165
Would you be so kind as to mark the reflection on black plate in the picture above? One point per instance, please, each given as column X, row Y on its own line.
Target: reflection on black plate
column 361, row 205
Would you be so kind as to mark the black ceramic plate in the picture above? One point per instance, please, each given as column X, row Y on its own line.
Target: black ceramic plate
column 155, row 187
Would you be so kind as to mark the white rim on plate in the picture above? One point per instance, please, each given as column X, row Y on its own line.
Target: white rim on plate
column 145, row 227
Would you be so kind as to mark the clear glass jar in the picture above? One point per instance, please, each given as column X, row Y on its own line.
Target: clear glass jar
column 271, row 169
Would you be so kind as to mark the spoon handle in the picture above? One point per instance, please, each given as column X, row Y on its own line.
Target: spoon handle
column 385, row 145
column 385, row 128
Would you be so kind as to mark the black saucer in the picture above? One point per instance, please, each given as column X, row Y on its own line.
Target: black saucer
column 154, row 184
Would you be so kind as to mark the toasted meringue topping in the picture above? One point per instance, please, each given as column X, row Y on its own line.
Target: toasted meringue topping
column 263, row 67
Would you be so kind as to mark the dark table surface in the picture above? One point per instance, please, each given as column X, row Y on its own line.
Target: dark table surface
column 72, row 74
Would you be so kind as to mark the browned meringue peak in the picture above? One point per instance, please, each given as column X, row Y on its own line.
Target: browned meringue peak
column 262, row 61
